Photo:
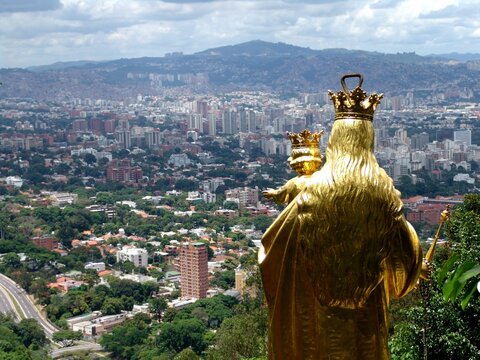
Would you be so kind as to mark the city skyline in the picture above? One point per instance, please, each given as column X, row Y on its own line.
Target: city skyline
column 40, row 32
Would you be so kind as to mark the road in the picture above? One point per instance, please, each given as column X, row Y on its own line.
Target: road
column 83, row 347
column 6, row 304
column 8, row 290
column 27, row 308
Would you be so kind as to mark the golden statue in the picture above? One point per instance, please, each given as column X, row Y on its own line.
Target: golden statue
column 340, row 250
column 305, row 159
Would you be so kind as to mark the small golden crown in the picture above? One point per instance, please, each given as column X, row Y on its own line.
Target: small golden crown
column 305, row 139
column 354, row 104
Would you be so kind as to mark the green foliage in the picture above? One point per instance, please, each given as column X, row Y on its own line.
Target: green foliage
column 157, row 306
column 112, row 306
column 186, row 185
column 471, row 202
column 465, row 275
column 443, row 323
column 140, row 292
column 16, row 343
column 217, row 309
column 11, row 260
column 181, row 334
column 187, row 354
column 240, row 337
column 230, row 205
column 31, row 333
column 67, row 337
column 406, row 333
column 125, row 340
column 224, row 279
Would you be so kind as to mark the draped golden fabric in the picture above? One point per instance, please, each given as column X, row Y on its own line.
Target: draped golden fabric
column 336, row 254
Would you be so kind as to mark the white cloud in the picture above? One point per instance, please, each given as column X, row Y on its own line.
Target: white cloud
column 39, row 32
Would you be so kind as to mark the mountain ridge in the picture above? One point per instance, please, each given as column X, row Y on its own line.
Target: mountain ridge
column 252, row 65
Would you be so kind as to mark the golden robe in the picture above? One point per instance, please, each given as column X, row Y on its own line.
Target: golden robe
column 336, row 255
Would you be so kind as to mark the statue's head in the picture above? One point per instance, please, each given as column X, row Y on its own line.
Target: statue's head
column 353, row 131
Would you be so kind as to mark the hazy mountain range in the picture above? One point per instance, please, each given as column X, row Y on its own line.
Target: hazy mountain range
column 251, row 65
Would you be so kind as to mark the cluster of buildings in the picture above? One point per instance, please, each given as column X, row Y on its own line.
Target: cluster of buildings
column 402, row 155
column 125, row 135
column 258, row 120
column 421, row 209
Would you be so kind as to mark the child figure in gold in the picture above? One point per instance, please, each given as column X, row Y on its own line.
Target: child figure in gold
column 305, row 159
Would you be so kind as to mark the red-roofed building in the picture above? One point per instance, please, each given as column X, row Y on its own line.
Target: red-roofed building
column 411, row 203
column 47, row 242
column 104, row 273
column 63, row 284
column 429, row 213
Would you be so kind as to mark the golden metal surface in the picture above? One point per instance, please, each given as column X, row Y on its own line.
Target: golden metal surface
column 339, row 251
column 443, row 217
column 426, row 267
column 305, row 159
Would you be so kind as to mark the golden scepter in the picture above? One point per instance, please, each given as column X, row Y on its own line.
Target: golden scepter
column 425, row 274
column 429, row 257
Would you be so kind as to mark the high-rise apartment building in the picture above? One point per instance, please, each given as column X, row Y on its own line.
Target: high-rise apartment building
column 153, row 138
column 419, row 141
column 463, row 135
column 194, row 270
column 229, row 122
column 139, row 257
column 80, row 125
column 122, row 171
column 195, row 122
column 243, row 121
column 212, row 125
column 109, row 125
column 246, row 196
column 123, row 134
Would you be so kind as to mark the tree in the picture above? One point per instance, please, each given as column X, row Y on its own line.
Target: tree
column 169, row 315
column 90, row 159
column 10, row 344
column 182, row 334
column 67, row 337
column 230, row 205
column 91, row 277
column 31, row 332
column 441, row 320
column 186, row 185
column 66, row 234
column 104, row 198
column 224, row 279
column 201, row 314
column 240, row 337
column 157, row 306
column 112, row 306
column 11, row 261
column 187, row 354
column 125, row 340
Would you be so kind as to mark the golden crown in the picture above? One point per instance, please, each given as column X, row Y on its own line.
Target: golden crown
column 354, row 104
column 305, row 139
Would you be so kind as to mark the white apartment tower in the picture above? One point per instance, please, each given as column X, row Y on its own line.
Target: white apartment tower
column 139, row 257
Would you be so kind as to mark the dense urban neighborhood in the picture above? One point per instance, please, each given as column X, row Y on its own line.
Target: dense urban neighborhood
column 130, row 228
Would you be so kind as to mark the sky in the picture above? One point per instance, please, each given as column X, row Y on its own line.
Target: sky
column 39, row 32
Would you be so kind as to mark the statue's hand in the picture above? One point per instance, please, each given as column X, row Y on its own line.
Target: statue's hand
column 269, row 193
